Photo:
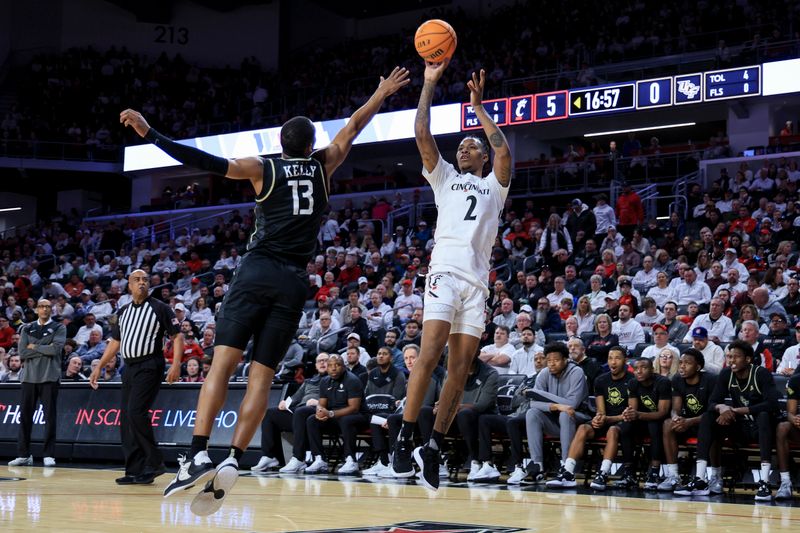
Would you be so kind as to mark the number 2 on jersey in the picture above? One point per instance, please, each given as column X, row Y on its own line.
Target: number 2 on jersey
column 302, row 192
column 471, row 210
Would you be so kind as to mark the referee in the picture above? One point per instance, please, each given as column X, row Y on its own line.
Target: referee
column 138, row 337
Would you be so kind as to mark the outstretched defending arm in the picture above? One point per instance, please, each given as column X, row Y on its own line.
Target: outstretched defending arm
column 422, row 123
column 240, row 169
column 502, row 153
column 336, row 152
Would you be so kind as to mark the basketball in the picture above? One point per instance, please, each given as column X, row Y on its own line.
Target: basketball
column 435, row 40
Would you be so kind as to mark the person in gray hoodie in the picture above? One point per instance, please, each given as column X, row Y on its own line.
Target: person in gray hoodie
column 40, row 346
column 559, row 403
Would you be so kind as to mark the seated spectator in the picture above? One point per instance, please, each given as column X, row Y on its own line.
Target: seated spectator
column 524, row 359
column 650, row 316
column 498, row 355
column 598, row 343
column 523, row 321
column 791, row 357
column 596, row 295
column 676, row 328
column 628, row 331
column 321, row 333
column 406, row 301
column 733, row 284
column 573, row 284
column 352, row 363
column 291, row 415
column 193, row 372
column 546, row 318
column 719, row 327
column 89, row 325
column 584, row 315
column 14, row 371
column 712, row 354
column 591, row 368
column 661, row 343
column 666, row 364
column 505, row 314
column 779, row 338
column 385, row 389
column 559, row 293
column 202, row 316
column 646, row 278
column 340, row 409
column 93, row 349
column 207, row 342
column 73, row 371
column 379, row 315
column 412, row 334
column 110, row 373
column 6, row 334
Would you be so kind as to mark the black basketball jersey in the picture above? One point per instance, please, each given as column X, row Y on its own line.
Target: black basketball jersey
column 615, row 392
column 288, row 211
column 694, row 397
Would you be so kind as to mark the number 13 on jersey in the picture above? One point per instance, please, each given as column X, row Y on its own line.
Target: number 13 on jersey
column 302, row 196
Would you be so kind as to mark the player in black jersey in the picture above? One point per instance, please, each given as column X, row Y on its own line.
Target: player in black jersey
column 612, row 399
column 788, row 432
column 650, row 398
column 268, row 290
column 691, row 389
column 751, row 418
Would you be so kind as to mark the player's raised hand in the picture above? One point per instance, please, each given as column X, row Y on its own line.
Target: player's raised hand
column 134, row 119
column 394, row 82
column 475, row 86
column 434, row 71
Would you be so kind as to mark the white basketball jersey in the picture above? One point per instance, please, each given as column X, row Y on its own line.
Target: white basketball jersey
column 466, row 227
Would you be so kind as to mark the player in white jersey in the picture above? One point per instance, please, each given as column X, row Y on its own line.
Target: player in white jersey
column 469, row 202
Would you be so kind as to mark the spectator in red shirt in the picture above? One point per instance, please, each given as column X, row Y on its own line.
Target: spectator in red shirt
column 745, row 223
column 630, row 212
column 350, row 272
column 74, row 287
column 381, row 209
column 6, row 334
column 191, row 348
column 194, row 263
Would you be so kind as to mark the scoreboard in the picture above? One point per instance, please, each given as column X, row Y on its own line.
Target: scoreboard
column 681, row 89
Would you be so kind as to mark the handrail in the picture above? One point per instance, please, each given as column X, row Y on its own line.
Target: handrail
column 504, row 266
column 330, row 334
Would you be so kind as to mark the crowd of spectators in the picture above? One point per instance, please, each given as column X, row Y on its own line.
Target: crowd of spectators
column 73, row 97
column 593, row 277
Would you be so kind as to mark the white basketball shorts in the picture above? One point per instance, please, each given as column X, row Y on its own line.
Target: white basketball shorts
column 453, row 299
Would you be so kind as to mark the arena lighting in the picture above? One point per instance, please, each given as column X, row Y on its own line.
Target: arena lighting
column 632, row 130
column 4, row 209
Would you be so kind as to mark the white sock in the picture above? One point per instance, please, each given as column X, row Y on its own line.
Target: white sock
column 605, row 466
column 785, row 477
column 673, row 470
column 569, row 465
column 765, row 468
column 701, row 469
column 716, row 472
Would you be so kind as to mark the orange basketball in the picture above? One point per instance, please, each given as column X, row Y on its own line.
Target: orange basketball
column 435, row 40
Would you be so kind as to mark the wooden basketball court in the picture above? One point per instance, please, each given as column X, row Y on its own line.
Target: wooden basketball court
column 87, row 500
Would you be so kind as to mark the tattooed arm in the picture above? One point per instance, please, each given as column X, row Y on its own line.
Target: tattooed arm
column 422, row 123
column 502, row 153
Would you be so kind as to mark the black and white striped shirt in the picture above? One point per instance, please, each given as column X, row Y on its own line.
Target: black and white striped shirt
column 140, row 329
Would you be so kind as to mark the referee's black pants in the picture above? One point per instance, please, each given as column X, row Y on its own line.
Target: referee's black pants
column 276, row 422
column 47, row 394
column 141, row 381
